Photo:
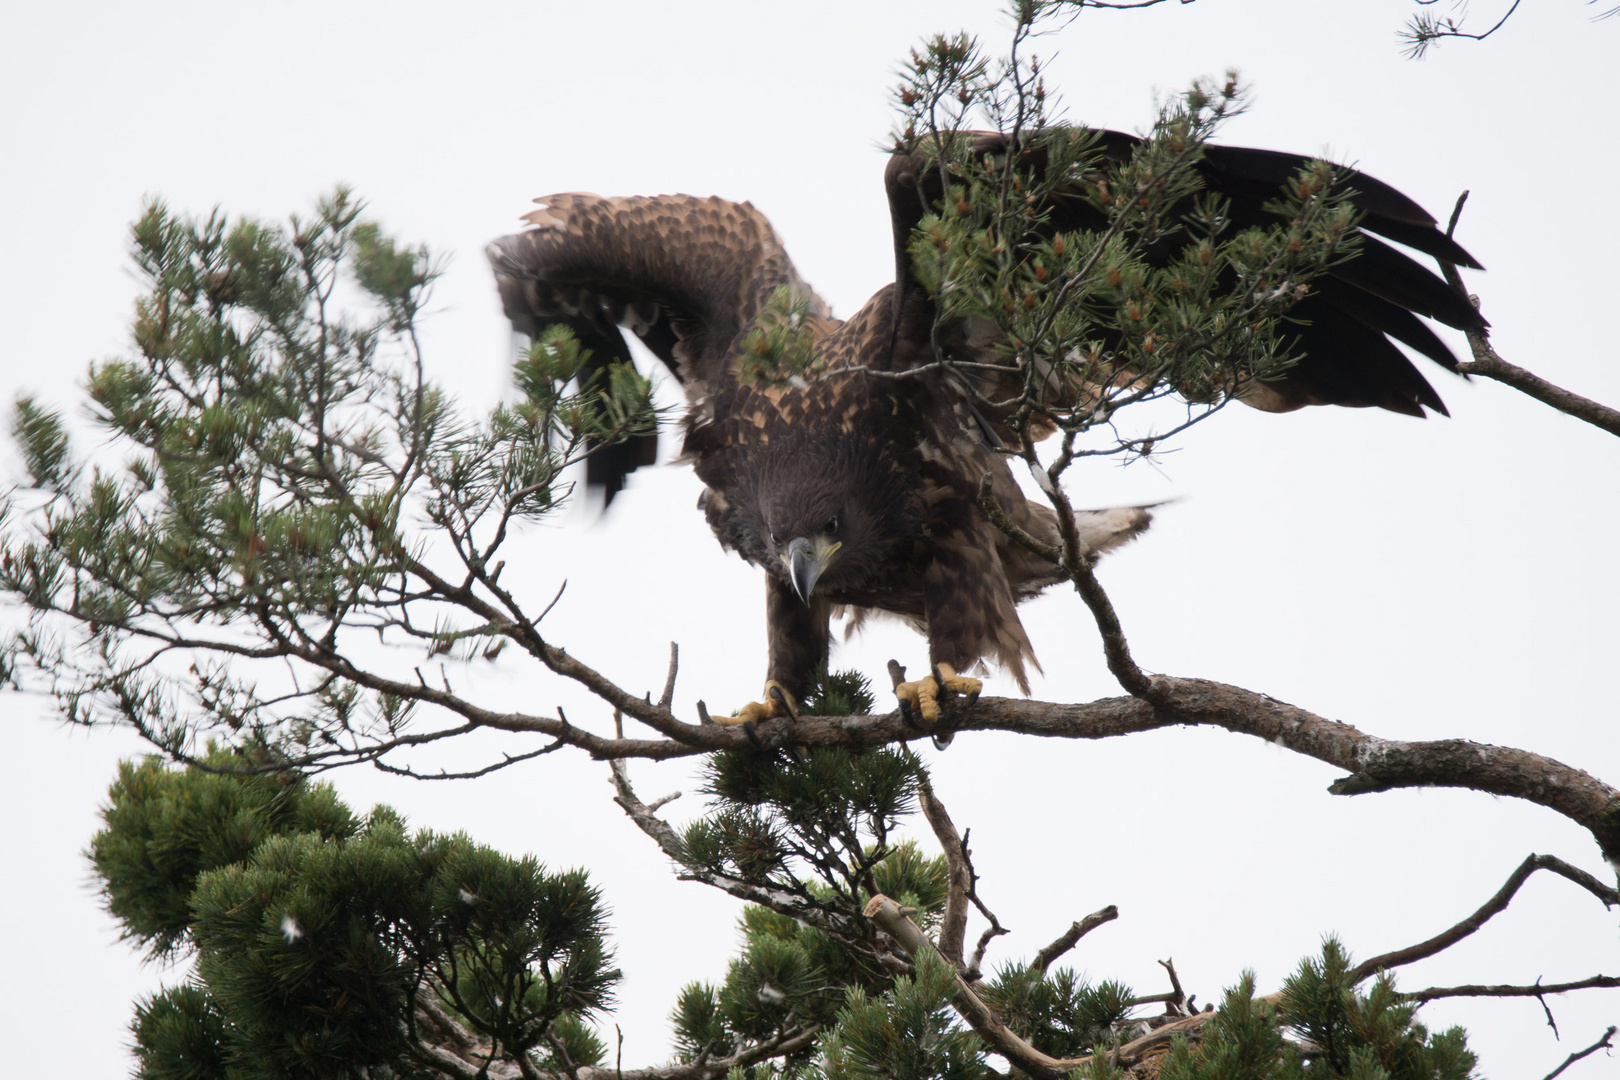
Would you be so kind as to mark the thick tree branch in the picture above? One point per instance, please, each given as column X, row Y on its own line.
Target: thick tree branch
column 1375, row 764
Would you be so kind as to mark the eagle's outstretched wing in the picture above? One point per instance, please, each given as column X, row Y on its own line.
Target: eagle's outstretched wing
column 1344, row 327
column 686, row 275
column 854, row 488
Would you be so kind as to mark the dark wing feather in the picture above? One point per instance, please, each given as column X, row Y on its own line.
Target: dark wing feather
column 1344, row 327
column 686, row 275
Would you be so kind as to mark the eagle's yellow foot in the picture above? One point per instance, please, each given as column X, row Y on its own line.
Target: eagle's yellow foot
column 920, row 699
column 778, row 702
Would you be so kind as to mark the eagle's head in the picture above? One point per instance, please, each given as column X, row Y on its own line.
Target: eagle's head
column 829, row 529
column 826, row 508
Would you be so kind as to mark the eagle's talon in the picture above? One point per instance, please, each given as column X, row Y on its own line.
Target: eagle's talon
column 923, row 695
column 908, row 713
column 778, row 702
column 783, row 700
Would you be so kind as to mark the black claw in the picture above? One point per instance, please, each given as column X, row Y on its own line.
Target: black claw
column 752, row 732
column 777, row 695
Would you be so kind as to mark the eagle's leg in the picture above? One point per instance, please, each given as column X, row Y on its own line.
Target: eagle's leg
column 922, row 696
column 798, row 635
column 969, row 609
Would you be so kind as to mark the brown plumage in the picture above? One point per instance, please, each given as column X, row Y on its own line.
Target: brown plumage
column 857, row 491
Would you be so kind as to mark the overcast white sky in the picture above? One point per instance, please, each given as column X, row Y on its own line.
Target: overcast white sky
column 1446, row 578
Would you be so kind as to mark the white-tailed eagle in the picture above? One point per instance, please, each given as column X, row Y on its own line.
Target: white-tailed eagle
column 857, row 490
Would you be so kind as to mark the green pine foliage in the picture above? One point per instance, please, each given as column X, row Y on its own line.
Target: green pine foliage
column 1324, row 1029
column 321, row 939
column 838, row 693
column 818, row 830
column 829, row 814
column 1160, row 297
column 782, row 345
column 908, row 1033
column 43, row 441
column 181, row 1035
column 1059, row 1012
column 166, row 827
column 270, row 453
column 1366, row 1035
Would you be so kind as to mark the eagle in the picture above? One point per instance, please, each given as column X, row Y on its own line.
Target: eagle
column 848, row 463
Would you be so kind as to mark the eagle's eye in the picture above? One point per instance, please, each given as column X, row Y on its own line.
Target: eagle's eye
column 774, row 541
column 832, row 526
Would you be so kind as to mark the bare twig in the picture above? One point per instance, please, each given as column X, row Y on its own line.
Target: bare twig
column 1425, row 30
column 670, row 843
column 657, row 804
column 1489, row 363
column 1493, row 906
column 1434, row 993
column 1606, row 1042
column 667, row 698
column 991, row 932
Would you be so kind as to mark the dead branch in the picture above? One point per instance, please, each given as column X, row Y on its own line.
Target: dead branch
column 1073, row 934
column 959, row 874
column 1374, row 764
column 1493, row 906
column 991, row 932
column 1179, row 996
column 668, row 696
column 1489, row 363
column 1536, row 990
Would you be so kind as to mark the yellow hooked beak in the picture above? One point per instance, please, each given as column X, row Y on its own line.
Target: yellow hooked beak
column 806, row 560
